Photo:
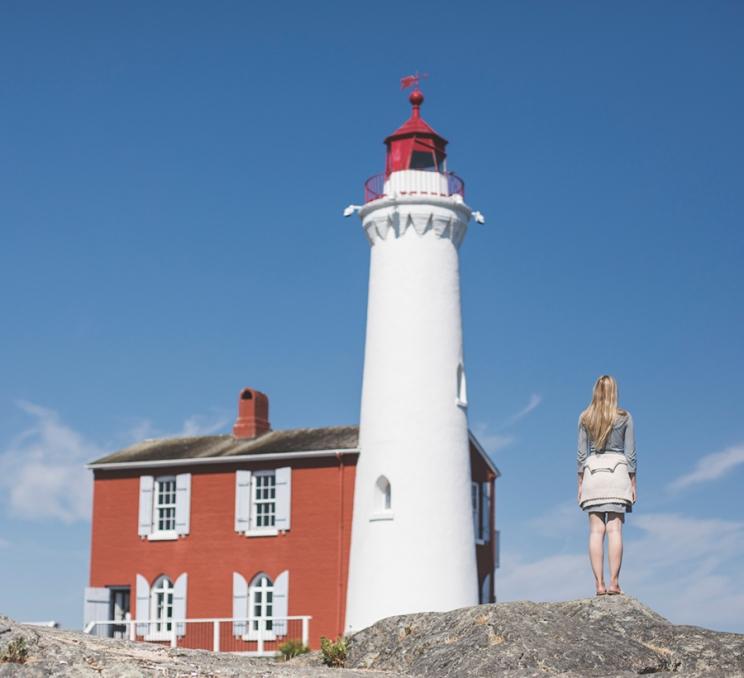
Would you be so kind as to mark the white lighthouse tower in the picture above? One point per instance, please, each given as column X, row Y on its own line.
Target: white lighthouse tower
column 412, row 540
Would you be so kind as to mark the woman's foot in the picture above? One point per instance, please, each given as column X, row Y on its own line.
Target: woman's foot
column 601, row 588
column 614, row 590
column 601, row 592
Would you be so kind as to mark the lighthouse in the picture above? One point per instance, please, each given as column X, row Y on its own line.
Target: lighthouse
column 412, row 540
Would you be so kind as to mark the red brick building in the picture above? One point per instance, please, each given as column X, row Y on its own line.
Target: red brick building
column 252, row 528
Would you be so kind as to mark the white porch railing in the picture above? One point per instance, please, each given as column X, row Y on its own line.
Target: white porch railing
column 258, row 637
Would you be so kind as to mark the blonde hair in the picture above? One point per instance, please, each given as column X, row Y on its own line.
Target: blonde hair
column 603, row 411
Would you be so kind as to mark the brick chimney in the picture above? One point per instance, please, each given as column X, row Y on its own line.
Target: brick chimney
column 253, row 414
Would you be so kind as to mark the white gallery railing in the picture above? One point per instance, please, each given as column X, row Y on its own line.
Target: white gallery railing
column 258, row 637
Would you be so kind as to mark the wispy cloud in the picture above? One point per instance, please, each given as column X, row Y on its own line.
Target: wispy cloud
column 492, row 442
column 710, row 467
column 195, row 425
column 198, row 425
column 685, row 567
column 495, row 440
column 535, row 400
column 42, row 470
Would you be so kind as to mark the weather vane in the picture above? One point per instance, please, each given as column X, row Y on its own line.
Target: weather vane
column 411, row 80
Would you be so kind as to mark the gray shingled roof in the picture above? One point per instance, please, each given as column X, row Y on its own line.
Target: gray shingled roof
column 273, row 442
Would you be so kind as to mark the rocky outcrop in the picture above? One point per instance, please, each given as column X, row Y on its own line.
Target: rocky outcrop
column 52, row 652
column 603, row 636
column 608, row 636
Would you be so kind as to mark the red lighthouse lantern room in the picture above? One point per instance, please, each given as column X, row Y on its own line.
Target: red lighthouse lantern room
column 415, row 145
column 416, row 162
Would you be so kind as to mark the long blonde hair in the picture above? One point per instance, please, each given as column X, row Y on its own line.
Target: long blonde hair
column 603, row 411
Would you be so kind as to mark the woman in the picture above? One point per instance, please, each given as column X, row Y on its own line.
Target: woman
column 607, row 478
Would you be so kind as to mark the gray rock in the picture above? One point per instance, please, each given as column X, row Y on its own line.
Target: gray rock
column 53, row 652
column 609, row 636
column 602, row 636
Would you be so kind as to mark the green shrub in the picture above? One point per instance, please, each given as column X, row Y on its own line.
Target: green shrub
column 292, row 648
column 15, row 652
column 334, row 651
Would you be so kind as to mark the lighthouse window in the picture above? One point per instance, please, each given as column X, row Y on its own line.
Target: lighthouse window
column 462, row 388
column 383, row 500
column 422, row 160
column 384, row 495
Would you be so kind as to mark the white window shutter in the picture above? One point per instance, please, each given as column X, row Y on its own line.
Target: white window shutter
column 281, row 590
column 145, row 505
column 97, row 605
column 183, row 503
column 242, row 500
column 179, row 603
column 240, row 604
column 143, row 605
column 283, row 480
column 486, row 509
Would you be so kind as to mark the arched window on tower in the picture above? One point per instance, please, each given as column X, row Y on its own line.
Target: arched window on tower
column 462, row 387
column 384, row 496
column 383, row 502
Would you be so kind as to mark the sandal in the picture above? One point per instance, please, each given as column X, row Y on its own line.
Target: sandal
column 619, row 592
column 601, row 593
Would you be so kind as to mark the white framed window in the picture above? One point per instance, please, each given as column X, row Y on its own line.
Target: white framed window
column 161, row 609
column 260, row 608
column 263, row 500
column 160, row 606
column 164, row 510
column 475, row 505
column 480, row 495
column 262, row 605
column 164, row 506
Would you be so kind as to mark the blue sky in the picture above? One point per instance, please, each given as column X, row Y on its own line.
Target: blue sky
column 172, row 177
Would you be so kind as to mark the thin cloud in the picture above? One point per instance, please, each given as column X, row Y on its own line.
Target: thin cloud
column 535, row 400
column 710, row 467
column 197, row 425
column 42, row 470
column 493, row 442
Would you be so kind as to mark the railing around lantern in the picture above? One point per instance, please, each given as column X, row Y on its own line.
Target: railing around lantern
column 260, row 637
column 374, row 187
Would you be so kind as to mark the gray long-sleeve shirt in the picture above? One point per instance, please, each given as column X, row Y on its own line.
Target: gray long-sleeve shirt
column 620, row 439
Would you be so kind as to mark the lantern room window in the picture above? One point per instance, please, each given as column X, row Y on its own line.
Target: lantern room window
column 423, row 160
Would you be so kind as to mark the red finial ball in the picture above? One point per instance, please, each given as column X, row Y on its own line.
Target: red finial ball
column 417, row 97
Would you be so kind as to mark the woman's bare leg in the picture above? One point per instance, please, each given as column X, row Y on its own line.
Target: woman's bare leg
column 615, row 547
column 596, row 548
